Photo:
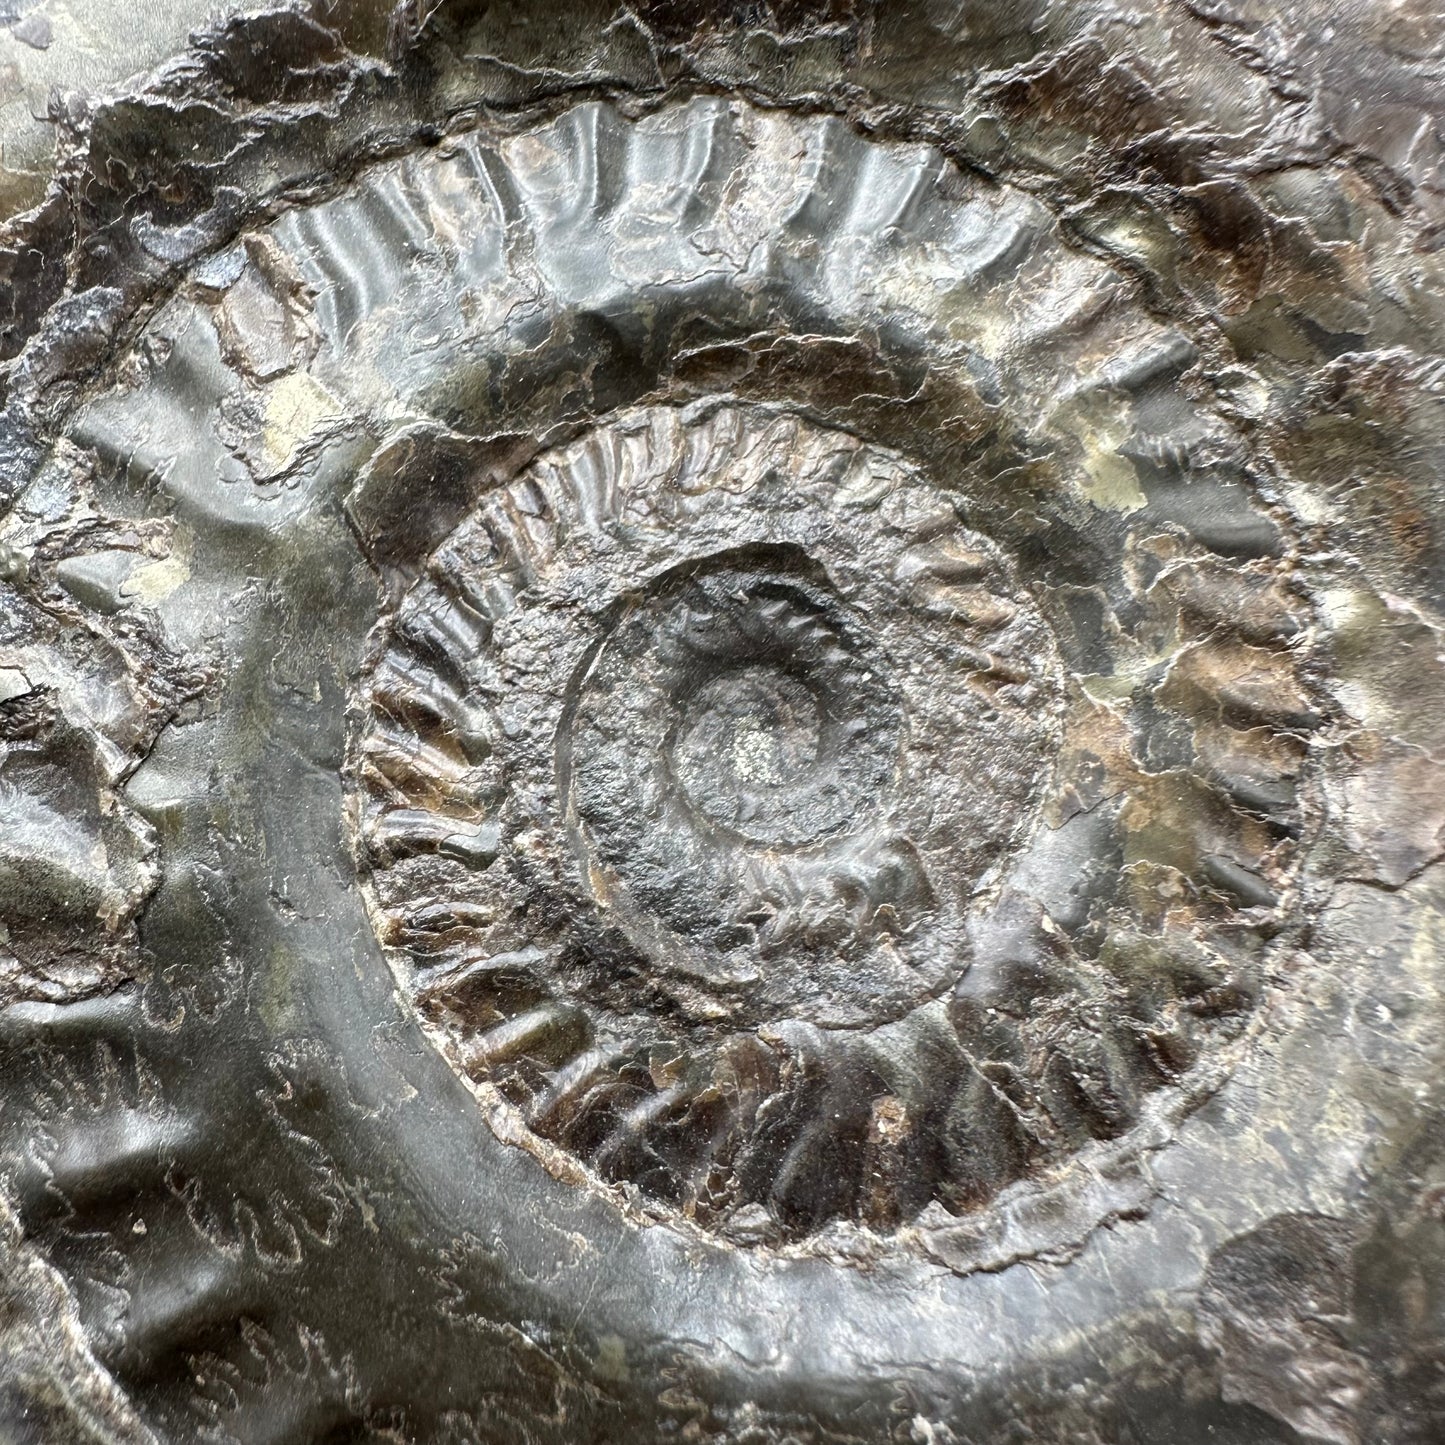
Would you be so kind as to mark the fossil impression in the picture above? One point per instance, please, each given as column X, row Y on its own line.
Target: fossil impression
column 704, row 748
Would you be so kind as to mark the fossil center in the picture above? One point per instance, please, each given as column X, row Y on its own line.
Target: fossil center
column 727, row 756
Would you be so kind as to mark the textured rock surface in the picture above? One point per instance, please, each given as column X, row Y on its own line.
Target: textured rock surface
column 726, row 724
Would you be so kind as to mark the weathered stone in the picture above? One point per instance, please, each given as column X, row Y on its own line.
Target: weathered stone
column 726, row 724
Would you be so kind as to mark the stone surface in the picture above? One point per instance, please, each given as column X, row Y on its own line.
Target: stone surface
column 725, row 724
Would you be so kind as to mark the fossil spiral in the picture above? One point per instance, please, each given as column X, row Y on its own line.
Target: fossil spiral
column 676, row 759
column 713, row 764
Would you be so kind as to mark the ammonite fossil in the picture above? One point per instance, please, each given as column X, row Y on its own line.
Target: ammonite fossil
column 707, row 748
column 706, row 775
column 715, row 766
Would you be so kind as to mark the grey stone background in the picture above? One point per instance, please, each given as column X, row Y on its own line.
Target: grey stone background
column 1353, row 1055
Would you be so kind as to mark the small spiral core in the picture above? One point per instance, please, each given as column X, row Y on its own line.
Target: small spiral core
column 751, row 704
column 747, row 754
column 733, row 733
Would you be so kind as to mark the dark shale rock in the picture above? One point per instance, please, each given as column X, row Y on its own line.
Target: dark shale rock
column 726, row 723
